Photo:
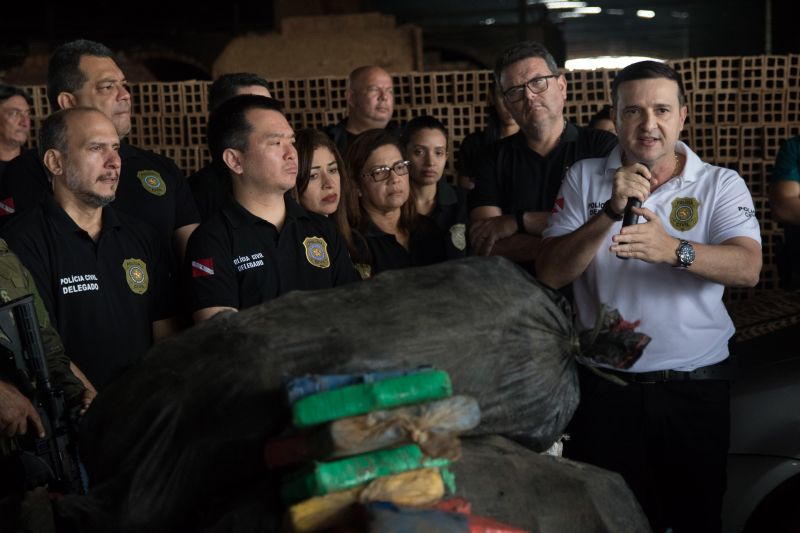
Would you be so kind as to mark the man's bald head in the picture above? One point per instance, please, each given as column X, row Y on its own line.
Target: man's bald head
column 370, row 98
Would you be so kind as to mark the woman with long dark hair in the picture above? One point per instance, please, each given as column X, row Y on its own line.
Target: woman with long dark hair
column 323, row 186
column 425, row 142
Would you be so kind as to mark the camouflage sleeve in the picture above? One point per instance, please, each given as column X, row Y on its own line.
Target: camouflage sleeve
column 55, row 356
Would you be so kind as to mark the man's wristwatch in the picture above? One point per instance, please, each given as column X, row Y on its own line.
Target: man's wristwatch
column 685, row 253
column 610, row 212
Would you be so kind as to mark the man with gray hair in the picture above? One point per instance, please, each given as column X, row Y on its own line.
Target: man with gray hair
column 151, row 188
column 516, row 188
column 15, row 123
column 370, row 105
column 102, row 274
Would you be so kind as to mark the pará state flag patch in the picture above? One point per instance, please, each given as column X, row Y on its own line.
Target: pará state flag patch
column 203, row 267
column 7, row 207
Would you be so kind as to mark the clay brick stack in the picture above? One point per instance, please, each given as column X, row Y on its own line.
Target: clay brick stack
column 740, row 109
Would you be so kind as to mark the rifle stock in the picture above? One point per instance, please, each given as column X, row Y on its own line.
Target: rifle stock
column 51, row 460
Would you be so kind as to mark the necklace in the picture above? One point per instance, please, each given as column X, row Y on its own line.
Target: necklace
column 677, row 169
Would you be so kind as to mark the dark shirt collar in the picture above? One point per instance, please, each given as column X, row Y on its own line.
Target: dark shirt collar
column 239, row 216
column 445, row 194
column 126, row 149
column 374, row 231
column 64, row 224
column 392, row 127
column 570, row 134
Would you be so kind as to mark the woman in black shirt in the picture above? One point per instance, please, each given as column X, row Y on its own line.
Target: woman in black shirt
column 390, row 232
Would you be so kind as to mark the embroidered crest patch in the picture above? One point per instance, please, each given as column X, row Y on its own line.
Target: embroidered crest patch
column 458, row 236
column 152, row 182
column 685, row 213
column 136, row 275
column 317, row 252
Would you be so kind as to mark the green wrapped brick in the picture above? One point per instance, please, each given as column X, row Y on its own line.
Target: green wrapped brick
column 361, row 399
column 323, row 478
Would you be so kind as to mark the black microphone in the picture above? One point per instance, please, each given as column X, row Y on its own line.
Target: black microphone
column 630, row 218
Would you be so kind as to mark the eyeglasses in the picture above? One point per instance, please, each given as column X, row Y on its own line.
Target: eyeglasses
column 535, row 85
column 14, row 114
column 379, row 174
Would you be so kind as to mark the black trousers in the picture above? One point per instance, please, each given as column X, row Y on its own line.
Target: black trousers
column 669, row 441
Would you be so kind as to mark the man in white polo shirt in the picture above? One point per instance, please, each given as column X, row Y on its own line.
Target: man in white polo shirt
column 664, row 424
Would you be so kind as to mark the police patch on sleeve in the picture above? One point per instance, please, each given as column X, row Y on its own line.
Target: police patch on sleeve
column 458, row 236
column 317, row 252
column 685, row 213
column 136, row 275
column 7, row 207
column 152, row 182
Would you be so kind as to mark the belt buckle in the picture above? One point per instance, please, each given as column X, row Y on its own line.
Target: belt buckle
column 657, row 376
column 648, row 378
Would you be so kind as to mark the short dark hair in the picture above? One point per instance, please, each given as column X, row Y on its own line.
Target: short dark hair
column 63, row 70
column 228, row 126
column 53, row 133
column 423, row 122
column 8, row 91
column 520, row 51
column 227, row 86
column 645, row 70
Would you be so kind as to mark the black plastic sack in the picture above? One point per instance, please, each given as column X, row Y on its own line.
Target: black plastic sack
column 189, row 421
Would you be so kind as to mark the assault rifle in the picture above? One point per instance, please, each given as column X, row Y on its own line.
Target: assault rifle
column 51, row 460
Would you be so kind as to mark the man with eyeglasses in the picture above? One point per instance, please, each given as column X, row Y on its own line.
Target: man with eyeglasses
column 518, row 182
column 15, row 123
column 370, row 105
column 261, row 244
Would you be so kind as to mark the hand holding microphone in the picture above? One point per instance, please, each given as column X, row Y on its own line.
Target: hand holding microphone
column 630, row 218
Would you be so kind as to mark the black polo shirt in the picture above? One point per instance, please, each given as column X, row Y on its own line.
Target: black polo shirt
column 450, row 216
column 151, row 188
column 515, row 177
column 24, row 184
column 343, row 138
column 103, row 296
column 211, row 187
column 3, row 165
column 239, row 260
column 472, row 151
column 427, row 245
